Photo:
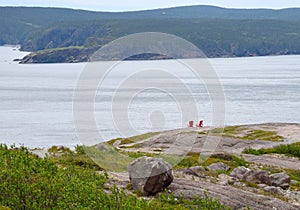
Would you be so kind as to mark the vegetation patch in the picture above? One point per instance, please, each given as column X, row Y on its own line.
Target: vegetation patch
column 139, row 138
column 244, row 133
column 292, row 150
column 59, row 150
column 294, row 175
column 133, row 139
column 229, row 130
column 29, row 182
column 110, row 159
column 262, row 135
column 111, row 142
column 194, row 159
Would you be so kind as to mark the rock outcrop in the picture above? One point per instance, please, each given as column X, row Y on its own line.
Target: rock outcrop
column 239, row 172
column 150, row 175
column 280, row 180
column 63, row 55
column 195, row 171
column 228, row 195
column 218, row 167
column 257, row 177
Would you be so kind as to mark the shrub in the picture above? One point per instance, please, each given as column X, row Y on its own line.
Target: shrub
column 29, row 182
column 289, row 150
column 80, row 150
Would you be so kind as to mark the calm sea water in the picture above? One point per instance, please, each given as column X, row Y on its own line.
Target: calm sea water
column 36, row 99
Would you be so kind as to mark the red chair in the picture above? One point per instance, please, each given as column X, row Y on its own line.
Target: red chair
column 200, row 125
column 191, row 124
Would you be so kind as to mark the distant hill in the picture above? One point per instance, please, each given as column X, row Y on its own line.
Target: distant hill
column 217, row 31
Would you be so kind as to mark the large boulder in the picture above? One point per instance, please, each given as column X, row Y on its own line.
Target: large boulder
column 150, row 175
column 280, row 180
column 218, row 167
column 257, row 177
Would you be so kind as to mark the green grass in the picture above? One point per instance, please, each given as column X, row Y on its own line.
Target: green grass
column 29, row 182
column 83, row 161
column 91, row 158
column 263, row 135
column 59, row 149
column 190, row 160
column 139, row 138
column 244, row 133
column 133, row 139
column 229, row 130
column 111, row 142
column 292, row 150
column 294, row 175
column 193, row 159
column 111, row 159
column 115, row 160
column 64, row 157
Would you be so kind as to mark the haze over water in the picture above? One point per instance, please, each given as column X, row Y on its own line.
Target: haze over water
column 36, row 99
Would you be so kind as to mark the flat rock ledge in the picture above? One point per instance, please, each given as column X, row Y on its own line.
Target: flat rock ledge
column 228, row 195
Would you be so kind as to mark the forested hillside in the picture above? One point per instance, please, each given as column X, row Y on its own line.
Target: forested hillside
column 217, row 31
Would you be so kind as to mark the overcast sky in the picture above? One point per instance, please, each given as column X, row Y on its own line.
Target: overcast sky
column 125, row 5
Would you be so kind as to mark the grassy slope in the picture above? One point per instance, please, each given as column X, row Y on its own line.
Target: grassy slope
column 29, row 182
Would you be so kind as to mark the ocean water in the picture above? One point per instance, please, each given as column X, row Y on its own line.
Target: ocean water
column 36, row 100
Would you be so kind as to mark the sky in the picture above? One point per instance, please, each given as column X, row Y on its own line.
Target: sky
column 130, row 5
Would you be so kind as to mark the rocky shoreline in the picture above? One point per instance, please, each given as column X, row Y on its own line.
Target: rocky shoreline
column 236, row 179
column 82, row 54
column 76, row 55
column 263, row 184
column 63, row 55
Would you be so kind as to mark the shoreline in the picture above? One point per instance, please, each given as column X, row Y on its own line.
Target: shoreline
column 194, row 175
column 262, row 126
column 26, row 59
column 31, row 58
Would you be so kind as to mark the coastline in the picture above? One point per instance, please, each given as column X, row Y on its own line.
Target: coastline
column 75, row 55
column 290, row 132
column 115, row 155
column 48, row 56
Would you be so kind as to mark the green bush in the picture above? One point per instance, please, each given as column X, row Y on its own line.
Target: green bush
column 29, row 182
column 4, row 208
column 80, row 150
column 83, row 161
column 59, row 149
